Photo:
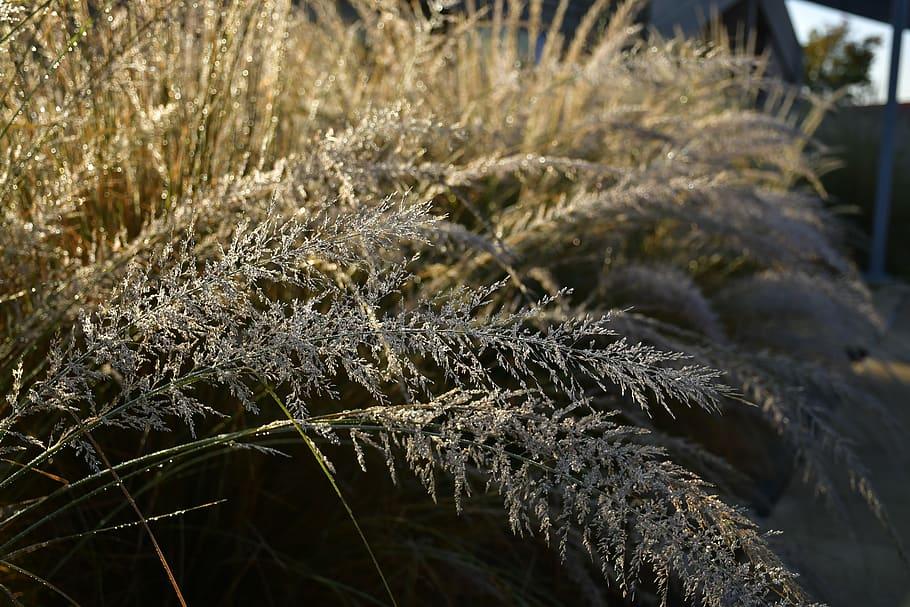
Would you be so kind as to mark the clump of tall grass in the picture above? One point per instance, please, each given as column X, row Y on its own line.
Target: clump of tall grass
column 640, row 173
column 411, row 231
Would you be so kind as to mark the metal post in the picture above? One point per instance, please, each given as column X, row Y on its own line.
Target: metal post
column 886, row 148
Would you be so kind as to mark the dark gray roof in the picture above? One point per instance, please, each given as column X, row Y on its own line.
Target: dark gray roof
column 880, row 10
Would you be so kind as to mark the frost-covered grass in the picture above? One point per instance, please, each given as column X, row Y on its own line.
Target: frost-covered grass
column 560, row 291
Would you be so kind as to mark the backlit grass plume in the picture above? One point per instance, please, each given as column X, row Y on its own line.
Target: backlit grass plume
column 516, row 263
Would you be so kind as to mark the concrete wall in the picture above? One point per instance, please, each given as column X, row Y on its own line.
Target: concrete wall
column 853, row 133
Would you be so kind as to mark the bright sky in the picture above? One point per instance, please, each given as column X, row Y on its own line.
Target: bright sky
column 807, row 15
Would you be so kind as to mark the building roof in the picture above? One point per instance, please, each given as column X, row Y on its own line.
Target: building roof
column 880, row 10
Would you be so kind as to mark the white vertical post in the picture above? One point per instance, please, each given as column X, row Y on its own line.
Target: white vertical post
column 886, row 148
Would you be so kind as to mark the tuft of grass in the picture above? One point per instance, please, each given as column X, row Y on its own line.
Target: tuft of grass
column 552, row 278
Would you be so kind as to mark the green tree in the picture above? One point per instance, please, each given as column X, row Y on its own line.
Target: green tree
column 833, row 62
